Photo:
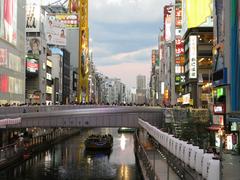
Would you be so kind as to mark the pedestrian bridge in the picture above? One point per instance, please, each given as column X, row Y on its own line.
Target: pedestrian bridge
column 119, row 116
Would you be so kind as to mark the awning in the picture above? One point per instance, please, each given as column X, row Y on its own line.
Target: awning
column 214, row 127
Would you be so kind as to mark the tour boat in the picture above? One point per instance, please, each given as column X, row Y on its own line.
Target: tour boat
column 98, row 142
column 126, row 130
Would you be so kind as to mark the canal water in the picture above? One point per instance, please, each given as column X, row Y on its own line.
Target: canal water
column 69, row 161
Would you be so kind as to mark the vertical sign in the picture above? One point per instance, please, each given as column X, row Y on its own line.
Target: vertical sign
column 192, row 57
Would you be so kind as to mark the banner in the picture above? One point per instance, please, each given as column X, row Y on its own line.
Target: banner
column 55, row 31
column 8, row 20
column 33, row 46
column 32, row 16
column 4, row 122
column 197, row 13
column 70, row 20
column 192, row 57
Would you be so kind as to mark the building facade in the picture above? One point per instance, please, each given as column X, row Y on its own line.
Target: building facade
column 12, row 50
column 141, row 89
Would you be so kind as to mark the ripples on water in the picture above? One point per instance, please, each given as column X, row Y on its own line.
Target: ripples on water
column 69, row 161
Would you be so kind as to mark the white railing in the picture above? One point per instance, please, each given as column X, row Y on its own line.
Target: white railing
column 191, row 155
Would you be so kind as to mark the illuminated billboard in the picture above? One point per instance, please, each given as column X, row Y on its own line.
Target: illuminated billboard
column 32, row 65
column 154, row 56
column 70, row 20
column 8, row 21
column 186, row 98
column 55, row 31
column 32, row 16
column 4, row 83
column 192, row 57
column 197, row 13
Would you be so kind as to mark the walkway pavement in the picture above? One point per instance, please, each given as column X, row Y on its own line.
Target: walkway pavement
column 231, row 167
column 230, row 163
column 158, row 160
column 163, row 171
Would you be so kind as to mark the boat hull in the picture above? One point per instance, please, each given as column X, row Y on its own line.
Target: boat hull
column 99, row 142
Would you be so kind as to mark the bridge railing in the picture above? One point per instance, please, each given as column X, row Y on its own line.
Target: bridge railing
column 31, row 109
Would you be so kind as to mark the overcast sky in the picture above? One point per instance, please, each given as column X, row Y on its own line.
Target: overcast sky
column 122, row 33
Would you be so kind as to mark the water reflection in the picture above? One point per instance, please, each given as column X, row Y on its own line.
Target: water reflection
column 70, row 161
column 122, row 142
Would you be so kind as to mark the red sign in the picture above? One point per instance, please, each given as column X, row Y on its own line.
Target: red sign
column 3, row 83
column 218, row 120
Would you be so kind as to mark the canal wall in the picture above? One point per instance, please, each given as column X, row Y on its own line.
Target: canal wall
column 11, row 154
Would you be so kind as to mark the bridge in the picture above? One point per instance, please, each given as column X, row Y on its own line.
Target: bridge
column 88, row 117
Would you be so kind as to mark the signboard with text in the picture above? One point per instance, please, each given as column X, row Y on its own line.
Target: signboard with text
column 192, row 57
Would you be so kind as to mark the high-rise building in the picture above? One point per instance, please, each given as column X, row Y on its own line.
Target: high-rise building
column 141, row 89
column 141, row 82
column 12, row 52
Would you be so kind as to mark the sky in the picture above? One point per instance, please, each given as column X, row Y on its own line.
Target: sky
column 122, row 35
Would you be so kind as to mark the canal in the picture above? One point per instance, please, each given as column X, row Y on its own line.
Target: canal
column 69, row 161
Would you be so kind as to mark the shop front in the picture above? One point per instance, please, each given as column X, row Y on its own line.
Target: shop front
column 233, row 142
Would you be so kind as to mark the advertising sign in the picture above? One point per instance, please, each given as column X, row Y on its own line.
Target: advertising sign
column 4, row 122
column 219, row 109
column 49, row 63
column 49, row 76
column 192, row 57
column 32, row 65
column 186, row 98
column 3, row 57
column 167, row 22
column 33, row 45
column 179, row 79
column 197, row 13
column 70, row 20
column 162, row 88
column 49, row 89
column 218, row 120
column 4, row 81
column 8, row 21
column 55, row 31
column 32, row 16
column 154, row 56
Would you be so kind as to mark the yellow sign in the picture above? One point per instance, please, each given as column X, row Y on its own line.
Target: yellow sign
column 49, row 89
column 199, row 12
column 180, row 100
column 191, row 102
column 49, row 63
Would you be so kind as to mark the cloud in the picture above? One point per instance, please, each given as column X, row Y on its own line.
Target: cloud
column 122, row 11
column 123, row 33
column 127, row 72
column 141, row 55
